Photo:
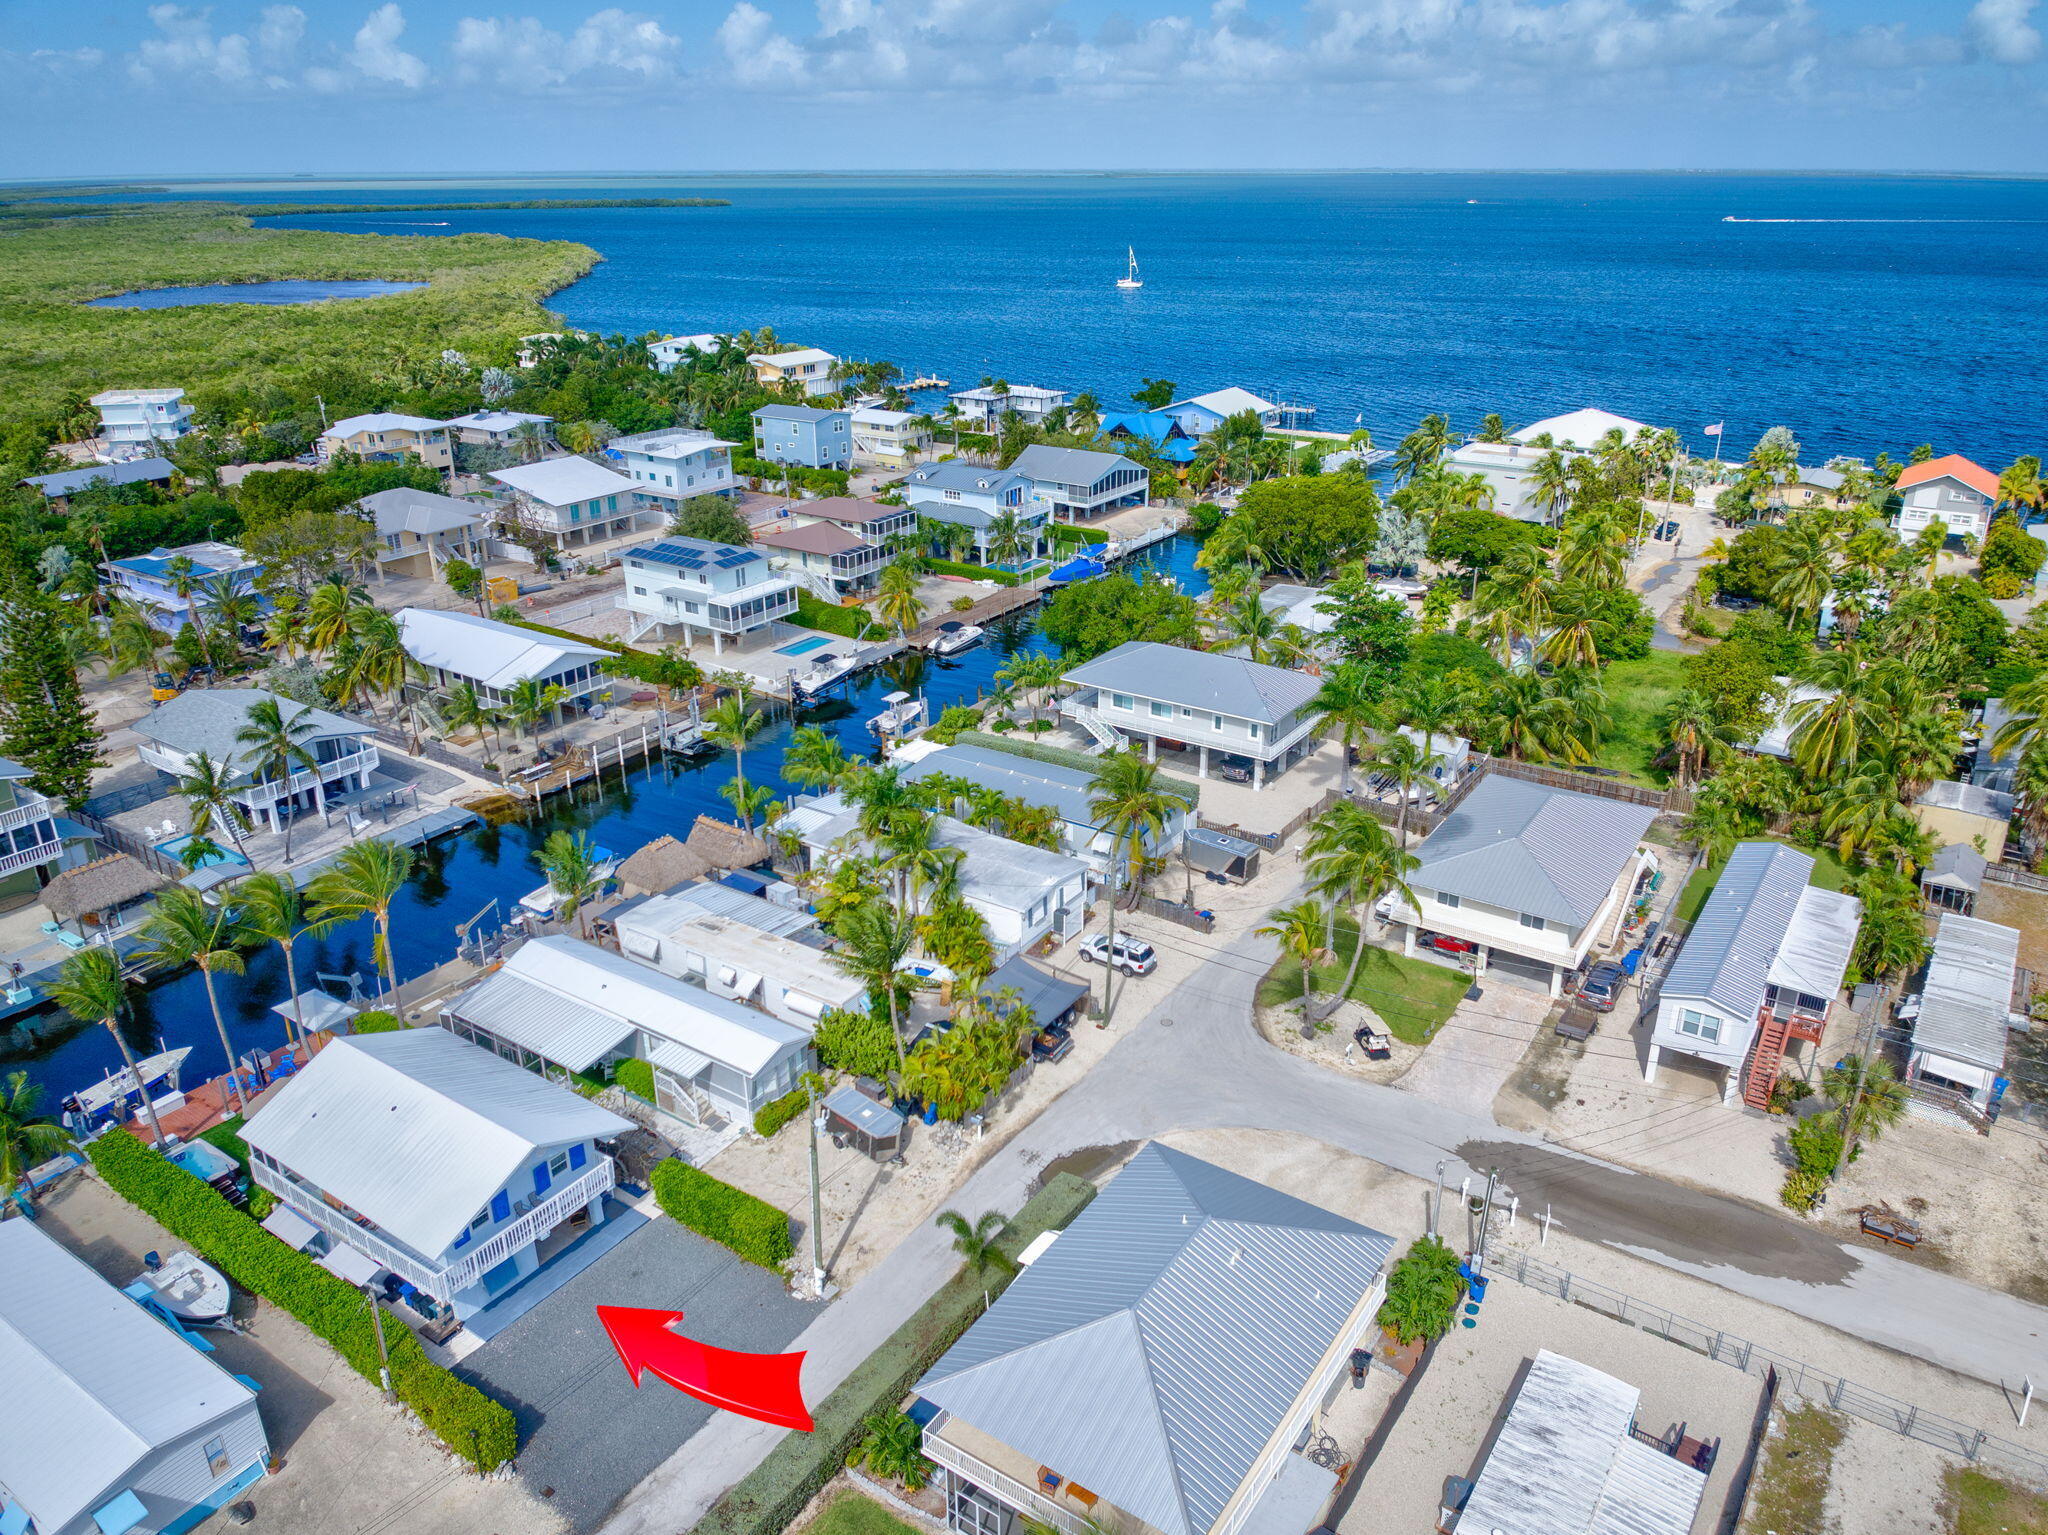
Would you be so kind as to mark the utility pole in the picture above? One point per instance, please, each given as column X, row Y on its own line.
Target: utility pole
column 1865, row 1042
column 817, row 1199
column 1485, row 1221
column 383, row 1358
column 1436, row 1204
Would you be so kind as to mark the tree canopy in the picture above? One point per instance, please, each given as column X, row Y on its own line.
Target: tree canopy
column 1091, row 617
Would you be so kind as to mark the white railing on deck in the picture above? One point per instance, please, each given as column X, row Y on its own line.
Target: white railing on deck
column 530, row 1227
column 1028, row 1500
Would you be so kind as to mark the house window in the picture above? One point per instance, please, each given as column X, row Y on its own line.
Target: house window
column 217, row 1456
column 559, row 1163
column 1445, row 898
column 1216, row 721
column 1161, row 711
column 1252, row 731
column 1532, row 921
column 1699, row 1025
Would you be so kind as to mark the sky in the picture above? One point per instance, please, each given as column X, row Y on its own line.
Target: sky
column 99, row 88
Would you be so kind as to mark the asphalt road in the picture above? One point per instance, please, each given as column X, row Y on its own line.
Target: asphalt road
column 1196, row 1062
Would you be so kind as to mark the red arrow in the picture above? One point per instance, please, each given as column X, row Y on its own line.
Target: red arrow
column 763, row 1386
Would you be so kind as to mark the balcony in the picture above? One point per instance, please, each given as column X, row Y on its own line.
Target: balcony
column 33, row 808
column 1020, row 1495
column 270, row 790
column 30, row 857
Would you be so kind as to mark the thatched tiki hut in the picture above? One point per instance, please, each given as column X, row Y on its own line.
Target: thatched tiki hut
column 661, row 865
column 93, row 894
column 725, row 846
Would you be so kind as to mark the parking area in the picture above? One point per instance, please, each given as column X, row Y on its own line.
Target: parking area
column 586, row 1434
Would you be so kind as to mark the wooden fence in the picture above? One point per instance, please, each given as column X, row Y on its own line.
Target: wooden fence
column 1173, row 911
column 1583, row 783
column 2012, row 874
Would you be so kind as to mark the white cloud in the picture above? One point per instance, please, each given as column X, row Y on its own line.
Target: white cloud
column 185, row 45
column 377, row 55
column 758, row 54
column 279, row 32
column 2002, row 31
column 521, row 53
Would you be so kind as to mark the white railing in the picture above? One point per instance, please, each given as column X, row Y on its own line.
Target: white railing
column 404, row 1262
column 1104, row 733
column 36, row 809
column 1026, row 1500
column 269, row 790
column 29, row 857
column 530, row 1227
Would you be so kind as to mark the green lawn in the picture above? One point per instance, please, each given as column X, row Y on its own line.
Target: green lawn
column 1828, row 873
column 1976, row 1504
column 1413, row 996
column 1638, row 693
column 850, row 1513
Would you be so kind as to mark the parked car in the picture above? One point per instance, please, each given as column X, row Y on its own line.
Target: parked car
column 1051, row 1043
column 1666, row 531
column 1134, row 956
column 1601, row 988
column 1444, row 944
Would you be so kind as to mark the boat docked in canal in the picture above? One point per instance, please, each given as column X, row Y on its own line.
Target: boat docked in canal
column 903, row 715
column 954, row 637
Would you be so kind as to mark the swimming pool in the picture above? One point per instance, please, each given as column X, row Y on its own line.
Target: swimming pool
column 175, row 848
column 204, row 1161
column 804, row 646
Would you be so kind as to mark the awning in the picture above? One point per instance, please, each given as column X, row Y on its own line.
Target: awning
column 346, row 1263
column 290, row 1227
column 1045, row 997
column 316, row 1011
column 13, row 1519
column 677, row 1060
column 1294, row 1500
column 121, row 1515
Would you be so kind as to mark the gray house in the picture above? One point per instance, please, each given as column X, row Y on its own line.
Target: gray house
column 1156, row 1365
column 1073, row 483
column 805, row 436
column 973, row 497
column 1248, row 715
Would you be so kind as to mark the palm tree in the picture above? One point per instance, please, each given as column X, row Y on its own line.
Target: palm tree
column 530, row 701
column 1869, row 1094
column 896, row 601
column 1128, row 800
column 276, row 750
column 231, row 606
column 462, row 708
column 1300, row 930
column 91, row 988
column 731, row 723
column 1552, row 483
column 1005, row 539
column 813, row 759
column 1423, row 448
column 1805, row 571
column 285, row 630
column 977, row 1243
column 1432, row 705
column 1593, row 548
column 875, row 937
column 381, row 664
column 28, row 1137
column 1579, row 622
column 1405, row 760
column 1827, row 731
column 184, row 930
column 1694, row 737
column 330, row 614
column 573, row 869
column 1347, row 706
column 1033, row 671
column 273, row 910
column 209, row 794
column 364, row 879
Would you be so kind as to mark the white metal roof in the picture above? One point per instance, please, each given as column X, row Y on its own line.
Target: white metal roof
column 1225, row 402
column 524, row 1009
column 417, row 1129
column 93, row 1383
column 1580, row 428
column 1967, row 995
column 564, row 481
column 797, row 358
column 494, row 654
column 659, row 912
column 138, row 396
column 737, row 945
column 1814, row 954
column 995, row 871
column 1563, row 1463
column 383, row 421
column 497, row 420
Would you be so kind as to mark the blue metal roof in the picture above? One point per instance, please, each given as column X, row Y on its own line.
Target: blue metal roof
column 134, row 472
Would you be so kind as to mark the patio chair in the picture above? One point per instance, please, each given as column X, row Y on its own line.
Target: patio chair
column 1049, row 1481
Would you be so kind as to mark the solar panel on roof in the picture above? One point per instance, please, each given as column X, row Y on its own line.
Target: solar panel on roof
column 734, row 557
column 671, row 554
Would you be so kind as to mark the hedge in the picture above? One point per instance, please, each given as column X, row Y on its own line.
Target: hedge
column 770, row 1117
column 733, row 1218
column 479, row 1429
column 613, row 646
column 1067, row 533
column 376, row 1021
column 635, row 1076
column 853, row 623
column 975, row 572
column 775, row 1491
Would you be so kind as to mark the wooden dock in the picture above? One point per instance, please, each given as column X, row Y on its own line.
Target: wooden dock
column 926, row 381
column 1006, row 600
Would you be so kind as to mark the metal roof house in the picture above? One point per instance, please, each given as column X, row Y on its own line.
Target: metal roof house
column 1965, row 812
column 804, row 436
column 568, row 1005
column 1194, row 701
column 576, row 503
column 344, row 751
column 1154, row 1367
column 1567, row 1461
column 59, row 487
column 1960, row 1018
column 973, row 497
column 1510, row 466
column 1073, row 483
column 153, row 581
column 110, row 1422
column 1761, row 966
column 1535, row 877
column 422, row 1154
column 1954, row 878
column 699, row 586
column 421, row 531
column 387, row 437
column 495, row 658
column 792, row 981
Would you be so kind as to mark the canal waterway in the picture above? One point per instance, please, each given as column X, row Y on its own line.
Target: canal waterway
column 458, row 877
column 295, row 291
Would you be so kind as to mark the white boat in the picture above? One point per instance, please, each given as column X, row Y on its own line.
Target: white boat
column 1131, row 279
column 542, row 902
column 954, row 637
column 904, row 715
column 187, row 1288
column 156, row 1073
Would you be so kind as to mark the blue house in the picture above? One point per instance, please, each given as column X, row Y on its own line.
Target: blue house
column 1203, row 413
column 805, row 436
column 1170, row 440
column 973, row 497
column 176, row 585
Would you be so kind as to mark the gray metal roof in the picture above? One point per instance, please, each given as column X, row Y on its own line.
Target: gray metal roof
column 134, row 472
column 206, row 720
column 1967, row 996
column 995, row 872
column 567, row 1030
column 1957, row 867
column 1727, row 956
column 1067, row 466
column 404, row 509
column 1157, row 1346
column 671, row 908
column 957, row 474
column 1563, row 1462
column 1066, row 790
column 94, row 1383
column 1198, row 679
column 1969, row 798
column 1044, row 996
column 417, row 1129
column 797, row 413
column 1523, row 846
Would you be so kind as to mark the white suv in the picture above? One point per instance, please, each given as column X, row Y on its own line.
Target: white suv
column 1134, row 956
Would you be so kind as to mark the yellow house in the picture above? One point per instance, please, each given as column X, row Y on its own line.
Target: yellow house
column 1957, row 814
column 811, row 367
column 386, row 437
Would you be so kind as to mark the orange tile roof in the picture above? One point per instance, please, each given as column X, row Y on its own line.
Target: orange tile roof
column 1953, row 466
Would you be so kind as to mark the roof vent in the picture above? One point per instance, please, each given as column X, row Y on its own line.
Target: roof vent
column 1235, row 1254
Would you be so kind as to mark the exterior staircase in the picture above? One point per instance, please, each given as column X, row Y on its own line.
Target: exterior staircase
column 1766, row 1056
column 1104, row 733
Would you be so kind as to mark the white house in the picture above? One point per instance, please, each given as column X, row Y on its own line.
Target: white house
column 1761, row 966
column 703, row 587
column 889, row 437
column 1076, row 483
column 110, row 1423
column 739, row 961
column 564, row 1004
column 1510, row 467
column 1964, row 1011
column 421, row 531
column 675, row 464
column 1534, row 878
column 489, row 428
column 809, row 366
column 1161, row 1365
column 495, row 658
column 974, row 497
column 983, row 409
column 1949, row 490
column 671, row 352
column 833, row 561
column 153, row 581
column 388, row 436
column 133, row 419
column 1066, row 790
column 1203, row 413
column 418, row 1153
column 576, row 503
column 343, row 751
column 1249, row 716
column 1022, row 893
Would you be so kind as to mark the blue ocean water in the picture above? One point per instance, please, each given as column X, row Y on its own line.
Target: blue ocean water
column 1866, row 313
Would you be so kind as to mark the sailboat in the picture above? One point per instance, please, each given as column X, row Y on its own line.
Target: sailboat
column 1131, row 279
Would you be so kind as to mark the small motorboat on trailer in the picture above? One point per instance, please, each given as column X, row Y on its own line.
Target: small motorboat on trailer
column 185, row 1287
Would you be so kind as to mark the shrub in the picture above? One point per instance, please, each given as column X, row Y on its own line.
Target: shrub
column 376, row 1021
column 893, row 1448
column 961, row 604
column 767, row 1498
column 752, row 1228
column 482, row 1431
column 770, row 1117
column 852, row 623
column 957, row 717
column 1788, row 1091
column 2001, row 585
column 973, row 572
column 636, row 1077
column 1816, row 1145
column 1802, row 1190
column 1423, row 1291
column 851, row 1040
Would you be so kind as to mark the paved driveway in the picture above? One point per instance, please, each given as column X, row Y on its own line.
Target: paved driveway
column 585, row 1431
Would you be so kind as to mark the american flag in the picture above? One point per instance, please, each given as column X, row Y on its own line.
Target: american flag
column 1714, row 430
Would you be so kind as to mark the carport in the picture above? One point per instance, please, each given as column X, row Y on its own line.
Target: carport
column 1518, row 970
